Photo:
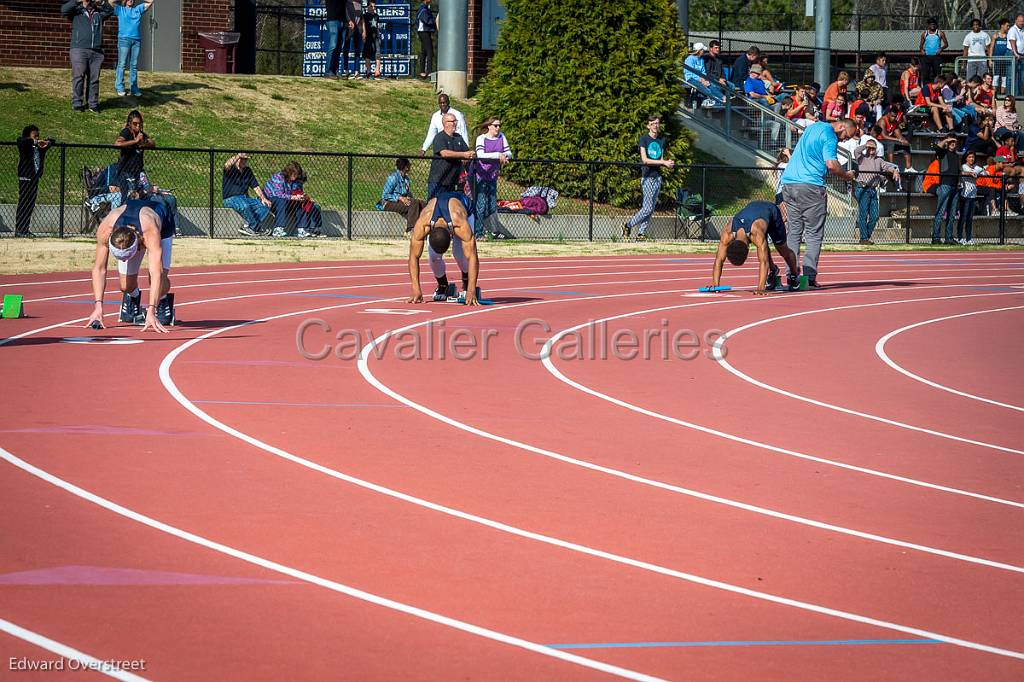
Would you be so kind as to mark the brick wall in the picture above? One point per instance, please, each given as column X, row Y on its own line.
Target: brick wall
column 34, row 33
column 476, row 57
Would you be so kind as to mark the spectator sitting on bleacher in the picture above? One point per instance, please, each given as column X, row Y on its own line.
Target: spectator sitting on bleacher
column 289, row 201
column 236, row 182
column 1006, row 120
column 397, row 195
column 931, row 99
column 837, row 109
column 741, row 67
column 839, row 87
column 910, row 81
column 871, row 92
column 893, row 126
column 981, row 137
column 713, row 66
column 695, row 72
column 982, row 94
column 773, row 86
column 1008, row 148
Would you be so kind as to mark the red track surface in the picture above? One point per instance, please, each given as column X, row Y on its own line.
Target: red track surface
column 809, row 526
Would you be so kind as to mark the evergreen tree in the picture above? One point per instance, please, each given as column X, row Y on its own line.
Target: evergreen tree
column 577, row 80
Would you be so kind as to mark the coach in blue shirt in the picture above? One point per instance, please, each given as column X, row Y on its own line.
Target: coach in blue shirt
column 803, row 190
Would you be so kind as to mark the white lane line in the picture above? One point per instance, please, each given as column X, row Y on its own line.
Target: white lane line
column 832, row 258
column 550, row 366
column 397, row 273
column 720, row 357
column 85, row 661
column 320, row 581
column 880, row 351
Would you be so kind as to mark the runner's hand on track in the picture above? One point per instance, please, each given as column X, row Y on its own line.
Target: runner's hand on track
column 760, row 292
column 153, row 323
column 417, row 297
column 97, row 316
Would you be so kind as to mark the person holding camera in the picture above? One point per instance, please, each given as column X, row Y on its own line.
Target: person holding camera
column 31, row 155
column 87, row 17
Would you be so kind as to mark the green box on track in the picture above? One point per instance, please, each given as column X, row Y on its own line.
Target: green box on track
column 12, row 306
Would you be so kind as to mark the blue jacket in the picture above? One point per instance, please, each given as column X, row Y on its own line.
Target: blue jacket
column 395, row 186
column 86, row 31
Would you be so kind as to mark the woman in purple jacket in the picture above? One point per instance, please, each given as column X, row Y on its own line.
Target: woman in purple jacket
column 492, row 152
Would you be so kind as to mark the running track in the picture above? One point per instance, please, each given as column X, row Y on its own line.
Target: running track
column 835, row 491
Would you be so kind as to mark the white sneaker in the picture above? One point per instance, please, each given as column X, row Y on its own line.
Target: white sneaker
column 969, row 242
column 121, row 93
column 278, row 232
column 302, row 234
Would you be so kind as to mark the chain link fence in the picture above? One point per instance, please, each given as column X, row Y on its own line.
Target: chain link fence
column 72, row 198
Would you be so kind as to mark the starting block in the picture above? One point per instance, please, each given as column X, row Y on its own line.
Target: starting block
column 12, row 308
column 461, row 297
column 714, row 290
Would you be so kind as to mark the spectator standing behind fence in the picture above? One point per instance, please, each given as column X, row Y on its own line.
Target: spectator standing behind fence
column 652, row 156
column 970, row 172
column 31, row 157
column 999, row 47
column 871, row 171
column 1015, row 39
column 976, row 47
column 946, row 192
column 397, row 195
column 371, row 40
column 741, row 67
column 426, row 27
column 235, row 185
column 132, row 141
column 933, row 42
column 290, row 201
column 492, row 152
column 803, row 190
column 87, row 17
column 444, row 107
column 129, row 42
column 450, row 150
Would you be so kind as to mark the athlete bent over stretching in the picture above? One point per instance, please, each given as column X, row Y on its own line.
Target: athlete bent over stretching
column 139, row 229
column 757, row 222
column 444, row 216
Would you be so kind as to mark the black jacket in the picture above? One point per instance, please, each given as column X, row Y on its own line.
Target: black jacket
column 86, row 31
column 713, row 67
column 949, row 166
column 26, row 158
column 740, row 71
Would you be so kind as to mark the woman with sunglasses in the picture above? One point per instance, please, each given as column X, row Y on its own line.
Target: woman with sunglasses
column 492, row 152
column 1007, row 121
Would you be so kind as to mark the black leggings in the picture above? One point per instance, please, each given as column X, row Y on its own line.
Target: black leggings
column 427, row 45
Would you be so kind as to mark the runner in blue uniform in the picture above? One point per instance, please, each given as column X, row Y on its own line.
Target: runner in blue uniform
column 141, row 228
column 443, row 217
column 755, row 224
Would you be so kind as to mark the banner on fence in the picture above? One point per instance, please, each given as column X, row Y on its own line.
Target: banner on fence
column 395, row 25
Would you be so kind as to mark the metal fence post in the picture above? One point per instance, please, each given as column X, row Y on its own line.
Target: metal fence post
column 906, row 221
column 703, row 199
column 348, row 218
column 212, row 171
column 1002, row 213
column 63, row 176
column 590, row 202
column 279, row 41
column 859, row 24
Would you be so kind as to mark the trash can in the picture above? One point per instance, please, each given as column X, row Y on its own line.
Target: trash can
column 220, row 50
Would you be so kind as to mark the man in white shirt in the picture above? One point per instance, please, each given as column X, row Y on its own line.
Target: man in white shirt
column 1015, row 40
column 443, row 107
column 976, row 45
